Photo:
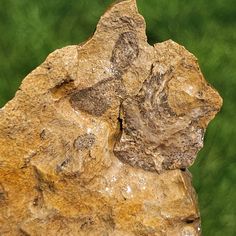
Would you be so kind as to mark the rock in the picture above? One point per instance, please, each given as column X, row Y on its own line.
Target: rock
column 98, row 138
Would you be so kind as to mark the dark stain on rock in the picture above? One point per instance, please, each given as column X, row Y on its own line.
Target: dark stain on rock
column 141, row 229
column 85, row 141
column 60, row 167
column 96, row 100
column 43, row 134
column 109, row 221
column 38, row 200
column 3, row 194
column 136, row 160
column 87, row 222
column 126, row 50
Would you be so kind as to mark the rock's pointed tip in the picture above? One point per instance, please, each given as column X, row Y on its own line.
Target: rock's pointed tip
column 122, row 15
column 120, row 2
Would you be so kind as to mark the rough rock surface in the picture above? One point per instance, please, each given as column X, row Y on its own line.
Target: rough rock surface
column 98, row 138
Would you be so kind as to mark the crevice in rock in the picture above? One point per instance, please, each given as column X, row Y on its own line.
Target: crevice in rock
column 120, row 126
column 64, row 88
column 120, row 121
column 87, row 222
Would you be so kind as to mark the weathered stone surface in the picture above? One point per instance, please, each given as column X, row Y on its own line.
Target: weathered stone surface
column 98, row 138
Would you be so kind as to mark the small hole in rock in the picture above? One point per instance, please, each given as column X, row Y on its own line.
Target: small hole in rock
column 189, row 221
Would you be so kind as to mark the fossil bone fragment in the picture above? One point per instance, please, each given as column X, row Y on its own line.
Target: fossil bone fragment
column 98, row 139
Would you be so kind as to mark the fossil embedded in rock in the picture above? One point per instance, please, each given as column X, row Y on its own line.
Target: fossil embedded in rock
column 164, row 123
column 95, row 140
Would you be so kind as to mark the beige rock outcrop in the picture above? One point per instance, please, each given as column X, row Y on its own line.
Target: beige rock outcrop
column 98, row 138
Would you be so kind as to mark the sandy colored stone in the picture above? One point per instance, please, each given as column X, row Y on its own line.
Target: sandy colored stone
column 98, row 138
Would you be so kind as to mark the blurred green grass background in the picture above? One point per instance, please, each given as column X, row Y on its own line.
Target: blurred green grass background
column 31, row 29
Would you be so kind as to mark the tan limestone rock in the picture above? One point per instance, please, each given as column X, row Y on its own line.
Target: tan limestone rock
column 98, row 138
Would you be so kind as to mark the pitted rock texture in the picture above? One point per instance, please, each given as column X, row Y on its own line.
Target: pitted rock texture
column 98, row 138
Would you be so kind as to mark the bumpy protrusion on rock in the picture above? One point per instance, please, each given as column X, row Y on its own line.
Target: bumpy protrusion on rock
column 98, row 138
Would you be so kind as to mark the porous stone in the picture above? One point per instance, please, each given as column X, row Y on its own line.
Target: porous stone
column 98, row 139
